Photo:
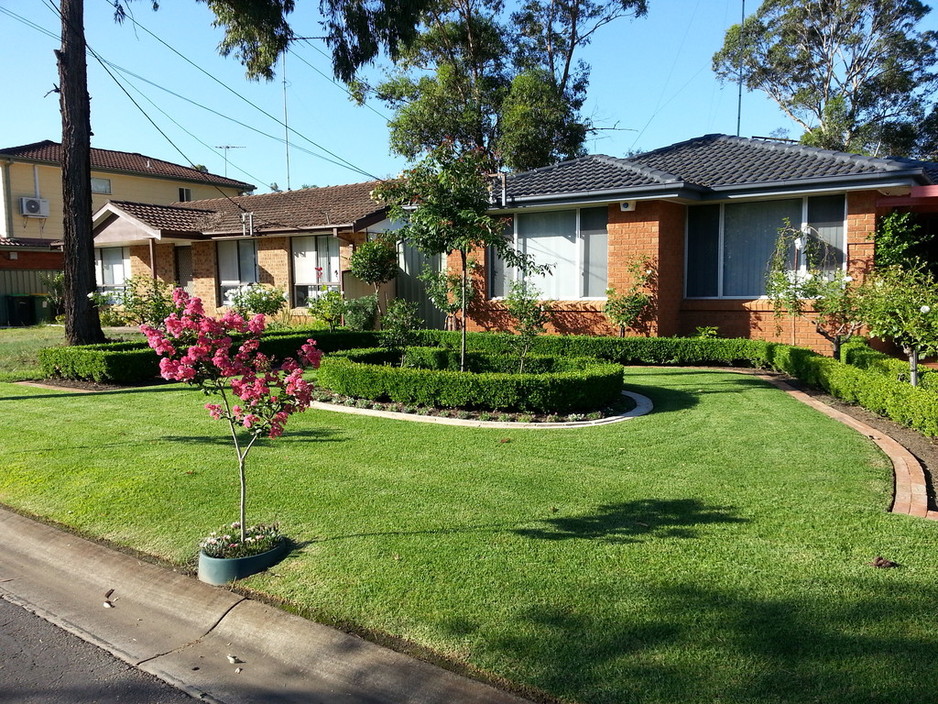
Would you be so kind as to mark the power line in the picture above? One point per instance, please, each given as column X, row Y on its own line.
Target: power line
column 343, row 161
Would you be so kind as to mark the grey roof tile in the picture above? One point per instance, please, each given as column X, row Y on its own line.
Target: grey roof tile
column 705, row 163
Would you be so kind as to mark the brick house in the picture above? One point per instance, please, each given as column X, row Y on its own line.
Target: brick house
column 707, row 212
column 31, row 209
column 299, row 241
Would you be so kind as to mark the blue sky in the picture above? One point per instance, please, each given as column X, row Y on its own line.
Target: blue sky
column 651, row 80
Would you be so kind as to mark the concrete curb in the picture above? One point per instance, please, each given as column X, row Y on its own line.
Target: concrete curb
column 183, row 631
column 643, row 406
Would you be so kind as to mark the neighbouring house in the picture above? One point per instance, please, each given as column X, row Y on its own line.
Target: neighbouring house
column 299, row 241
column 707, row 212
column 31, row 209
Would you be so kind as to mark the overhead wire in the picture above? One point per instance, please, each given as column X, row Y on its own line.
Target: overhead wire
column 231, row 90
column 224, row 195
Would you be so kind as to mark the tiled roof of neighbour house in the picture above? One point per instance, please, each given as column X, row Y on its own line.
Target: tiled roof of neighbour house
column 166, row 218
column 25, row 242
column 708, row 165
column 320, row 208
column 49, row 152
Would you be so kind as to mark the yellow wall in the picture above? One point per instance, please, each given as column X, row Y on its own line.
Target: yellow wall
column 139, row 189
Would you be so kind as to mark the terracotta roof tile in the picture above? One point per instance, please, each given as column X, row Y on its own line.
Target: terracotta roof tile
column 304, row 209
column 168, row 218
column 129, row 162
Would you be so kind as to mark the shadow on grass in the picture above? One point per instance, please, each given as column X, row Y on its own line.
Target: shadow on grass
column 155, row 389
column 866, row 640
column 629, row 522
column 308, row 435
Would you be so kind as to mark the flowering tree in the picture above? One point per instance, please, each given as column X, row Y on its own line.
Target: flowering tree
column 256, row 395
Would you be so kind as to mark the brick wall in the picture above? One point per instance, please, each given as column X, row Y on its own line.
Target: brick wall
column 273, row 261
column 655, row 231
column 25, row 260
column 204, row 273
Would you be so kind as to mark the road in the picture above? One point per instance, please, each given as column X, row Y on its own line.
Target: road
column 42, row 664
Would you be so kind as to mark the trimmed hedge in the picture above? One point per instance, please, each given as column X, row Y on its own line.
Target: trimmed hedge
column 858, row 353
column 118, row 363
column 583, row 385
column 135, row 362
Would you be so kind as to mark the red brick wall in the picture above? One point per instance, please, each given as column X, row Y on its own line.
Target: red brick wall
column 204, row 273
column 22, row 260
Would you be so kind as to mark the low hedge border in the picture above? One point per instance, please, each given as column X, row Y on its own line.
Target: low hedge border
column 865, row 376
column 585, row 384
column 135, row 363
column 858, row 353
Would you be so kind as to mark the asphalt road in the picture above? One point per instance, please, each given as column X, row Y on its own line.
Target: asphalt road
column 42, row 664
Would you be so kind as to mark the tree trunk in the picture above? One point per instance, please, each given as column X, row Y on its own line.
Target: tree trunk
column 913, row 365
column 82, row 325
column 462, row 304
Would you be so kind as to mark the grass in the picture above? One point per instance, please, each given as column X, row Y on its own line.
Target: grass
column 713, row 551
column 18, row 348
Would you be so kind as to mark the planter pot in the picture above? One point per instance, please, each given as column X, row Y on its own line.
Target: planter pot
column 221, row 570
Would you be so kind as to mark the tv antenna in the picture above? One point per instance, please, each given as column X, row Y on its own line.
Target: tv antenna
column 226, row 147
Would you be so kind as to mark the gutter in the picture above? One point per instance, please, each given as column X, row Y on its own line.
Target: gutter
column 7, row 198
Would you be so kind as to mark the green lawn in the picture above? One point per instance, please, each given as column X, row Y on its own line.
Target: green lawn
column 18, row 348
column 713, row 551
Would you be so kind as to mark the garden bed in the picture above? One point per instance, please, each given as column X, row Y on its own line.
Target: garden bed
column 556, row 386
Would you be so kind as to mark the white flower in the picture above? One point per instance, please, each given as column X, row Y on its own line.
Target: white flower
column 925, row 309
column 848, row 279
column 799, row 243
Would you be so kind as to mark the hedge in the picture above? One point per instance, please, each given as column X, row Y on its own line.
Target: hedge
column 135, row 362
column 583, row 385
column 858, row 353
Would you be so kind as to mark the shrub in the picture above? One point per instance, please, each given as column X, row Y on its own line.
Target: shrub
column 360, row 313
column 258, row 298
column 573, row 385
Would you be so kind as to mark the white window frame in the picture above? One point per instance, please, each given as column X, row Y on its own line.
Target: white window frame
column 111, row 291
column 578, row 265
column 227, row 287
column 803, row 226
column 328, row 281
column 185, row 194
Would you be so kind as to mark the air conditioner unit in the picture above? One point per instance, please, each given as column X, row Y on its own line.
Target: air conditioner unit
column 34, row 207
column 627, row 206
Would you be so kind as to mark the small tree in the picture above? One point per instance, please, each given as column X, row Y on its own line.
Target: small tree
column 54, row 284
column 898, row 237
column 329, row 307
column 625, row 309
column 399, row 326
column 531, row 316
column 443, row 202
column 805, row 281
column 902, row 305
column 375, row 263
column 197, row 349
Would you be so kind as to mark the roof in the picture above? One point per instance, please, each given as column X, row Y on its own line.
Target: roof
column 347, row 207
column 713, row 166
column 25, row 242
column 165, row 218
column 48, row 152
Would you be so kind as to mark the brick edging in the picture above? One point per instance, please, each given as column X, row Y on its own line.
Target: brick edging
column 910, row 493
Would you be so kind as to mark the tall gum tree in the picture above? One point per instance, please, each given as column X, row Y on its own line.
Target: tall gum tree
column 855, row 75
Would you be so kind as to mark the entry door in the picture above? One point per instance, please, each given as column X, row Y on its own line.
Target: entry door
column 184, row 268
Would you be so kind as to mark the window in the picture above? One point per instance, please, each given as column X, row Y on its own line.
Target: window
column 315, row 267
column 729, row 245
column 185, row 195
column 111, row 271
column 101, row 185
column 237, row 266
column 574, row 243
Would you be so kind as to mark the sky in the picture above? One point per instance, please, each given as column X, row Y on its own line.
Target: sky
column 164, row 91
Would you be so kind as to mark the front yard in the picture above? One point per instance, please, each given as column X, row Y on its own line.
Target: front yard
column 715, row 550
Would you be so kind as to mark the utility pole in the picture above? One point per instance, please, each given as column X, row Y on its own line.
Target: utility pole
column 739, row 99
column 226, row 147
column 286, row 123
column 82, row 324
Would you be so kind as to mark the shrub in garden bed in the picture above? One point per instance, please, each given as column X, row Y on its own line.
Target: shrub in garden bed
column 566, row 385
